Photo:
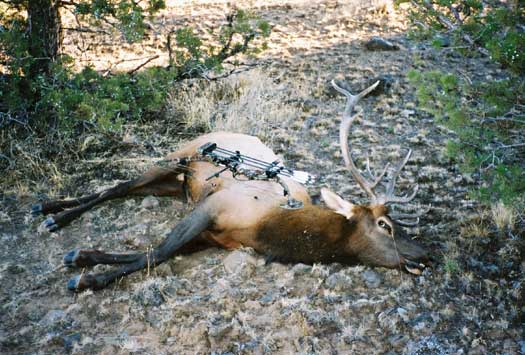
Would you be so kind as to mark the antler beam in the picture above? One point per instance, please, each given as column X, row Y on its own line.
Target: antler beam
column 369, row 186
column 344, row 128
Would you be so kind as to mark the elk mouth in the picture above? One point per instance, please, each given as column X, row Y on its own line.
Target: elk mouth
column 413, row 267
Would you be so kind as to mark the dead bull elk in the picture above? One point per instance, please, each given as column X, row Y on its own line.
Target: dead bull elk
column 233, row 212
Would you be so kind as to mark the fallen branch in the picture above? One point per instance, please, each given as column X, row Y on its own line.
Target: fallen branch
column 231, row 72
column 86, row 30
column 143, row 64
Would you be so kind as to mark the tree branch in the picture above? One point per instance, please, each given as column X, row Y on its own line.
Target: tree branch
column 131, row 72
column 87, row 30
column 445, row 22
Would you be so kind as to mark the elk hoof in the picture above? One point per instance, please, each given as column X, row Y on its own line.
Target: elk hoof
column 37, row 209
column 70, row 259
column 74, row 283
column 81, row 282
column 51, row 225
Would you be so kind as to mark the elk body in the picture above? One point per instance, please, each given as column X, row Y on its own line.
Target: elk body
column 233, row 213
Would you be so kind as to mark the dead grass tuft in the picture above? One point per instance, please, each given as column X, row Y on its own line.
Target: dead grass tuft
column 504, row 217
column 249, row 102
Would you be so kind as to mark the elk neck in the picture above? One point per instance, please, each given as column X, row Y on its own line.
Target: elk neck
column 308, row 235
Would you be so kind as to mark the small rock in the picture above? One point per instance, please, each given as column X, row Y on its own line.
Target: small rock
column 149, row 293
column 398, row 340
column 15, row 269
column 339, row 282
column 441, row 41
column 130, row 139
column 149, row 202
column 407, row 113
column 380, row 44
column 301, row 269
column 71, row 339
column 164, row 269
column 52, row 317
column 403, row 313
column 371, row 278
column 239, row 262
column 386, row 82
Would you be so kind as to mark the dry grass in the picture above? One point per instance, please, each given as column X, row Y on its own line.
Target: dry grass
column 249, row 102
column 477, row 226
column 504, row 217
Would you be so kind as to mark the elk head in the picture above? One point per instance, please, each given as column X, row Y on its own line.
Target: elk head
column 379, row 239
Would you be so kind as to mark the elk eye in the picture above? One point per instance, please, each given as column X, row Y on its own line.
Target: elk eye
column 385, row 226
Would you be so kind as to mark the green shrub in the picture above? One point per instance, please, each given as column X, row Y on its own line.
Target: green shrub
column 497, row 28
column 102, row 102
column 488, row 118
column 88, row 99
column 487, row 144
column 54, row 105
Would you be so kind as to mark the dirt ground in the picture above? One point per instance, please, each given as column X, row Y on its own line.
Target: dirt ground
column 232, row 302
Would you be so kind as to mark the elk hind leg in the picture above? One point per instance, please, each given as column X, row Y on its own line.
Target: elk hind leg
column 157, row 181
column 56, row 206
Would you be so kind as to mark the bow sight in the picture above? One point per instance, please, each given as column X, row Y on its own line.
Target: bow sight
column 240, row 164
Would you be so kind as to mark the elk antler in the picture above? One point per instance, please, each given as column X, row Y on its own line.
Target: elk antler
column 369, row 186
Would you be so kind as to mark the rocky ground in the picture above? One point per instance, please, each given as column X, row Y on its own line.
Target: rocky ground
column 230, row 302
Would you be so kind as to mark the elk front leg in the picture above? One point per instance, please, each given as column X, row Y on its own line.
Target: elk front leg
column 188, row 228
column 91, row 257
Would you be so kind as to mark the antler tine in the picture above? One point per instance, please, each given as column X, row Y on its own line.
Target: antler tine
column 408, row 215
column 407, row 223
column 380, row 176
column 399, row 217
column 399, row 199
column 392, row 183
column 344, row 129
column 389, row 196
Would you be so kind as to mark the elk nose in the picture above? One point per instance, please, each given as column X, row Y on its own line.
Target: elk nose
column 412, row 250
column 413, row 267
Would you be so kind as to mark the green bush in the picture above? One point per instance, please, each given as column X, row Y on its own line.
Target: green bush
column 497, row 28
column 488, row 118
column 488, row 144
column 102, row 102
column 45, row 109
column 88, row 99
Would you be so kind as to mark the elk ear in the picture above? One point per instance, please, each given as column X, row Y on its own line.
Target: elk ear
column 336, row 203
